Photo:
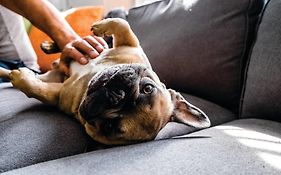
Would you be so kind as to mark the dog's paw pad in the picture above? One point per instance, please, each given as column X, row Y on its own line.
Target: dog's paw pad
column 22, row 77
column 102, row 28
column 20, row 73
column 97, row 30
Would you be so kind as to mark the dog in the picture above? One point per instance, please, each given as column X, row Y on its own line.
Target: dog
column 117, row 96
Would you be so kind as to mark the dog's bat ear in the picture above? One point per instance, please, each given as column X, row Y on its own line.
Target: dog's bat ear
column 186, row 113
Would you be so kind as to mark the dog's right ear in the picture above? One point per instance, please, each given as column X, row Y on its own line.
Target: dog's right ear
column 186, row 113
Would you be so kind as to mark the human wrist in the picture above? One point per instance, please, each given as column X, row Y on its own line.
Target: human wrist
column 64, row 37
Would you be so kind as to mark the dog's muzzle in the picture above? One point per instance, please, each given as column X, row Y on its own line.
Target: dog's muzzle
column 112, row 90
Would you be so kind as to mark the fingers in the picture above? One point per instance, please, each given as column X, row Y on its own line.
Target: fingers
column 94, row 43
column 69, row 53
column 81, row 50
column 101, row 41
column 92, row 48
column 64, row 68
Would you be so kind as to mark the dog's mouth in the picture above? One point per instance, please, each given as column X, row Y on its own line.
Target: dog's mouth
column 111, row 90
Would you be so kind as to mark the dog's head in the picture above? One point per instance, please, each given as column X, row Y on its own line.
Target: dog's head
column 127, row 103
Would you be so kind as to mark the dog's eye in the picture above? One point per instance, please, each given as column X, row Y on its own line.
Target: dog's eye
column 148, row 89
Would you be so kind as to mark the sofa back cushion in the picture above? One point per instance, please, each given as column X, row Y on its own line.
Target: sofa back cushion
column 262, row 96
column 198, row 46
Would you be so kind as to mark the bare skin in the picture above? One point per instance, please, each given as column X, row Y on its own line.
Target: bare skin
column 48, row 19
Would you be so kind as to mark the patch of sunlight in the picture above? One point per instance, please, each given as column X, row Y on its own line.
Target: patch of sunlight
column 261, row 144
column 243, row 133
column 268, row 147
column 228, row 128
column 272, row 159
column 188, row 4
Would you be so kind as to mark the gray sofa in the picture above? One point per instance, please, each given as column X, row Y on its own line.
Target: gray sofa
column 223, row 55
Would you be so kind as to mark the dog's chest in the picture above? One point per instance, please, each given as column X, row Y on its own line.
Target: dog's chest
column 104, row 60
column 92, row 67
column 109, row 57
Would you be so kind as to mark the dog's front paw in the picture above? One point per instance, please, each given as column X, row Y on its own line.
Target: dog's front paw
column 99, row 30
column 23, row 79
column 104, row 27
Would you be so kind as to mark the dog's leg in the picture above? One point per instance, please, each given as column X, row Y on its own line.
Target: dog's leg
column 119, row 28
column 54, row 75
column 26, row 81
column 4, row 73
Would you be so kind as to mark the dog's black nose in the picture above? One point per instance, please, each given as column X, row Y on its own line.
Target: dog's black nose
column 113, row 89
column 122, row 86
column 115, row 96
column 124, row 79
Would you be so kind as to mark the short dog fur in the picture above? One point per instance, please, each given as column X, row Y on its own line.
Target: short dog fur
column 117, row 97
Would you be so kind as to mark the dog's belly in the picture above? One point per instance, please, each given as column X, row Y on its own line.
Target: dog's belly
column 81, row 70
column 110, row 57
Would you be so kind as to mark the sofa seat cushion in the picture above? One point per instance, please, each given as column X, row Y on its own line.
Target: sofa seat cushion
column 198, row 46
column 216, row 114
column 246, row 146
column 31, row 132
column 262, row 96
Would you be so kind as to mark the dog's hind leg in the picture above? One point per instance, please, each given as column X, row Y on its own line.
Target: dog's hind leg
column 53, row 75
column 119, row 28
column 4, row 73
column 26, row 81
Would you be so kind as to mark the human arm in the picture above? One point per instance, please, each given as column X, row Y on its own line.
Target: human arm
column 47, row 18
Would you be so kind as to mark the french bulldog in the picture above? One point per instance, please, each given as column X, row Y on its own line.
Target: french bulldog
column 117, row 96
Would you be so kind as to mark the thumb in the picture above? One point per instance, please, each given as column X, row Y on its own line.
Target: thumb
column 63, row 67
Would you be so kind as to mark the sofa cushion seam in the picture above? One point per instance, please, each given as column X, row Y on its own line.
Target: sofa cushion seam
column 248, row 60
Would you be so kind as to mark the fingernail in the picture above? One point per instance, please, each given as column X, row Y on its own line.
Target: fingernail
column 99, row 48
column 94, row 54
column 105, row 46
column 83, row 60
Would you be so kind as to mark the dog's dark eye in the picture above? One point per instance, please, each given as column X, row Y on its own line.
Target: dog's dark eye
column 148, row 89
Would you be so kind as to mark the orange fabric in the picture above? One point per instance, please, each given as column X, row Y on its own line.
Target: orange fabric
column 80, row 19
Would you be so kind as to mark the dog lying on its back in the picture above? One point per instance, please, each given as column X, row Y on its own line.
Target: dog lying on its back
column 117, row 97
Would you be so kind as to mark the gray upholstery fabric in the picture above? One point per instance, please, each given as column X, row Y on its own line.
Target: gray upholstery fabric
column 198, row 47
column 262, row 97
column 31, row 132
column 216, row 114
column 248, row 146
column 12, row 102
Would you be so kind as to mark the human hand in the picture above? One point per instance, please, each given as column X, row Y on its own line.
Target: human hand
column 81, row 50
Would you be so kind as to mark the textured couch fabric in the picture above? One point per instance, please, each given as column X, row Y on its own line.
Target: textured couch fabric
column 263, row 86
column 197, row 47
column 216, row 114
column 226, row 149
column 203, row 42
column 40, row 133
column 31, row 132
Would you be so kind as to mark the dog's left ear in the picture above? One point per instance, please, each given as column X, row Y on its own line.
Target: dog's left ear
column 186, row 113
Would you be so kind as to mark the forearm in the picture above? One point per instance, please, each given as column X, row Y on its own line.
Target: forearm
column 44, row 16
column 47, row 18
